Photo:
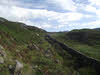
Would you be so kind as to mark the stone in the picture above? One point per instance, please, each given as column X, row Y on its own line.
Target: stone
column 11, row 69
column 17, row 50
column 1, row 48
column 10, row 66
column 36, row 47
column 2, row 52
column 18, row 69
column 37, row 34
column 1, row 60
column 35, row 66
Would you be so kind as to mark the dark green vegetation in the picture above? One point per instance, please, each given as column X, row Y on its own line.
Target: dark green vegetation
column 86, row 41
column 30, row 48
column 97, row 29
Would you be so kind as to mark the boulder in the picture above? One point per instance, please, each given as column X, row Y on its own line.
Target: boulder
column 1, row 60
column 10, row 66
column 1, row 48
column 18, row 68
column 2, row 52
column 34, row 66
column 11, row 69
column 37, row 34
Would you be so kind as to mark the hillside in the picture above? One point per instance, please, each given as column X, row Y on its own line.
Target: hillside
column 27, row 46
column 25, row 50
column 97, row 29
column 86, row 41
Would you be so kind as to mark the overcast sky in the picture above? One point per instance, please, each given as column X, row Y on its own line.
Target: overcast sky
column 53, row 15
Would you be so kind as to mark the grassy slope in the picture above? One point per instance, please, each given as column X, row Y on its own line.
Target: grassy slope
column 86, row 41
column 15, row 38
column 46, row 59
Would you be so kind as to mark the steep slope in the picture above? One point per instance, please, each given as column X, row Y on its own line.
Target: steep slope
column 25, row 50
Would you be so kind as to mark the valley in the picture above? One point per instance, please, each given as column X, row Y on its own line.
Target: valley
column 28, row 50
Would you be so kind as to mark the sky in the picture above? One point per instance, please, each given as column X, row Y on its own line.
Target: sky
column 53, row 15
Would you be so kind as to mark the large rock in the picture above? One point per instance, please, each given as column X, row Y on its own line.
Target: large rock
column 18, row 69
column 2, row 52
column 2, row 55
column 1, row 60
column 1, row 48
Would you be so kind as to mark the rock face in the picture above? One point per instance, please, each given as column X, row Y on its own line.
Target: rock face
column 18, row 69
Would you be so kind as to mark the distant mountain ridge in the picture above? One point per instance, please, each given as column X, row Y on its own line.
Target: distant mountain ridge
column 97, row 28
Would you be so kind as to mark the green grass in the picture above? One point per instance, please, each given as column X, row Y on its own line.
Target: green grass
column 75, row 39
column 15, row 38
